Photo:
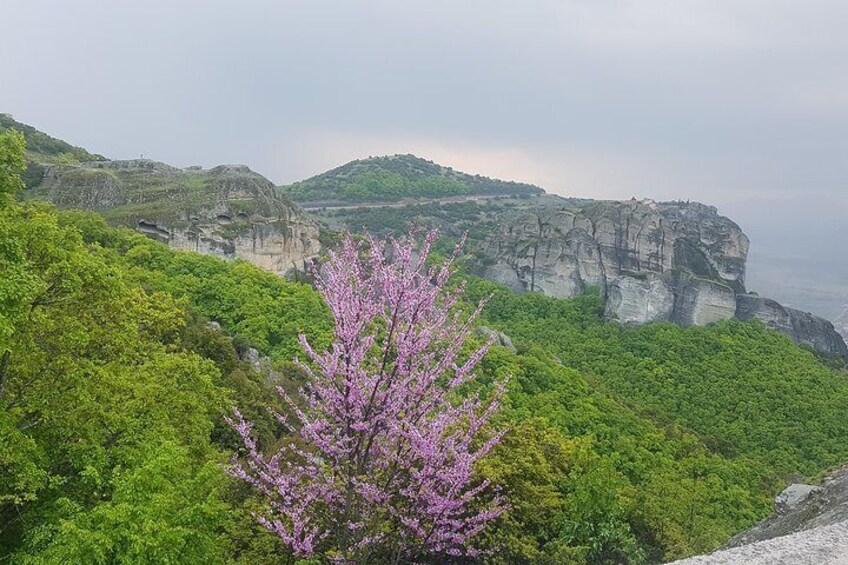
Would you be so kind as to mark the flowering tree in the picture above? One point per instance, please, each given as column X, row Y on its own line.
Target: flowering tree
column 384, row 469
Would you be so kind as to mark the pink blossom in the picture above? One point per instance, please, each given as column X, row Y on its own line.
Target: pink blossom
column 390, row 445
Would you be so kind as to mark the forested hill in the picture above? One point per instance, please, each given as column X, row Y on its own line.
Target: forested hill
column 396, row 177
column 43, row 147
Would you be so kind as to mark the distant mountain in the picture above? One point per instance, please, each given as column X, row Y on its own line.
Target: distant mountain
column 398, row 177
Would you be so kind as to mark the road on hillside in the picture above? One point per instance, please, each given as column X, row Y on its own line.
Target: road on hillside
column 316, row 206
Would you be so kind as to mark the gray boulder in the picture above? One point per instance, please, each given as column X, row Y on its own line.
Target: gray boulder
column 792, row 496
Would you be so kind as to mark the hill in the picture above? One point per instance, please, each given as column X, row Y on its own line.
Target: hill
column 397, row 177
column 677, row 261
column 43, row 149
column 229, row 210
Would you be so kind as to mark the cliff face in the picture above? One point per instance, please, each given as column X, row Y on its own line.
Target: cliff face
column 804, row 327
column 228, row 211
column 560, row 250
column 655, row 262
column 678, row 262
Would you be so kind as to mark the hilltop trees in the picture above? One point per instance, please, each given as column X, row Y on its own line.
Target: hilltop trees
column 383, row 465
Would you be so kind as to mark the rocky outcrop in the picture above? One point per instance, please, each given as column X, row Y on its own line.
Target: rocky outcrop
column 653, row 262
column 809, row 526
column 680, row 262
column 228, row 211
column 802, row 507
column 700, row 301
column 803, row 327
column 563, row 249
column 826, row 545
column 496, row 337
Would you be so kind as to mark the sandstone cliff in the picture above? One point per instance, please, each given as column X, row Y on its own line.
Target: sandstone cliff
column 561, row 250
column 675, row 261
column 228, row 211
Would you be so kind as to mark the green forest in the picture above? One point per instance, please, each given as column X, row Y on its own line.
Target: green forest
column 396, row 177
column 120, row 359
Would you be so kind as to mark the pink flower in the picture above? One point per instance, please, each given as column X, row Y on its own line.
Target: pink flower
column 391, row 448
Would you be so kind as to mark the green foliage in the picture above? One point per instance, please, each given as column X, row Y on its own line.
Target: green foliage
column 396, row 177
column 745, row 389
column 12, row 149
column 111, row 402
column 701, row 423
column 93, row 373
column 163, row 509
column 45, row 148
column 604, row 464
column 264, row 308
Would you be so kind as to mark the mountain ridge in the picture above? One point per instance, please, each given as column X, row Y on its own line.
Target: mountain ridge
column 669, row 261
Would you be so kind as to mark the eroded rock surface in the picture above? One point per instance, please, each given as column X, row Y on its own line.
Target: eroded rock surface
column 562, row 250
column 228, row 211
column 639, row 300
column 653, row 262
column 803, row 327
column 825, row 545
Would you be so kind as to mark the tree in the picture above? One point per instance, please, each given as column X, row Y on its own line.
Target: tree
column 383, row 468
column 12, row 151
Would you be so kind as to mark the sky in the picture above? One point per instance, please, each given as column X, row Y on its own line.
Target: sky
column 742, row 104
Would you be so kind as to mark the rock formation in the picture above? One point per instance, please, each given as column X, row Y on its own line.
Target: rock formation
column 804, row 328
column 639, row 300
column 825, row 545
column 674, row 261
column 562, row 250
column 228, row 211
column 497, row 337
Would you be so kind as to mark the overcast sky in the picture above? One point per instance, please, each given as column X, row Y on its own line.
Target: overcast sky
column 741, row 104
